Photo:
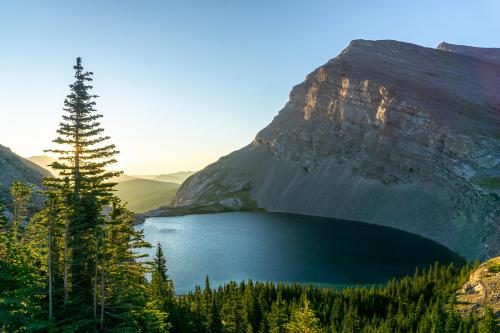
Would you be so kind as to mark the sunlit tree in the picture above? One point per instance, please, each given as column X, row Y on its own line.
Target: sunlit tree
column 303, row 319
column 22, row 278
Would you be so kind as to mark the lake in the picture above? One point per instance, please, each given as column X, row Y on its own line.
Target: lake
column 286, row 247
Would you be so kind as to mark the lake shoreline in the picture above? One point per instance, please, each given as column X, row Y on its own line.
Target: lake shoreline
column 262, row 246
column 169, row 211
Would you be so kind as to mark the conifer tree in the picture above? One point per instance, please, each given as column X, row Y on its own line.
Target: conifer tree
column 3, row 230
column 488, row 323
column 45, row 223
column 3, row 218
column 160, row 263
column 119, row 274
column 351, row 323
column 278, row 316
column 233, row 316
column 21, row 194
column 82, row 159
column 207, row 304
column 303, row 319
column 198, row 319
column 215, row 322
column 207, row 291
column 22, row 282
column 452, row 322
column 161, row 288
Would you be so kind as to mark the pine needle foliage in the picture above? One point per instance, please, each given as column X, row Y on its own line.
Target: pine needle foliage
column 83, row 155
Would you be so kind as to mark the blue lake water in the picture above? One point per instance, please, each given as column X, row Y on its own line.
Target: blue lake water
column 286, row 247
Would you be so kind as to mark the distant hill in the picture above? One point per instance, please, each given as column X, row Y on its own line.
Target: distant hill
column 44, row 161
column 142, row 192
column 124, row 178
column 177, row 177
column 146, row 194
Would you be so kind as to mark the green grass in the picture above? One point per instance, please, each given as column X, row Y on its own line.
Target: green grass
column 490, row 182
column 494, row 268
column 143, row 195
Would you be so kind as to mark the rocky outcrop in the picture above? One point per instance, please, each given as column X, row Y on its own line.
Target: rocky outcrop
column 13, row 167
column 482, row 290
column 485, row 54
column 388, row 133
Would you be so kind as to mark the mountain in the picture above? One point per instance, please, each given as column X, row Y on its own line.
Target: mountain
column 485, row 54
column 177, row 177
column 145, row 194
column 123, row 178
column 387, row 132
column 13, row 167
column 44, row 161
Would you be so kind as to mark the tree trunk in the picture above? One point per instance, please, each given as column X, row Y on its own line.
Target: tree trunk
column 103, row 295
column 77, row 157
column 65, row 282
column 49, row 264
column 95, row 286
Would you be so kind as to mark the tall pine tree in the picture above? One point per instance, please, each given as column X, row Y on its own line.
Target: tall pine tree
column 82, row 160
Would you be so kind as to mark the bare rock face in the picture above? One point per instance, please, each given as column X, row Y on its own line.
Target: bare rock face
column 387, row 132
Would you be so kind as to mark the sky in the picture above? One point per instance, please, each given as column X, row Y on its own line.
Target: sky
column 182, row 83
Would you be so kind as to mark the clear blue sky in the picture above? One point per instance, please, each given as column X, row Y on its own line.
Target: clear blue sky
column 185, row 82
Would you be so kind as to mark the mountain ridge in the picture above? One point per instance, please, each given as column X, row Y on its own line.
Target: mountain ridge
column 490, row 54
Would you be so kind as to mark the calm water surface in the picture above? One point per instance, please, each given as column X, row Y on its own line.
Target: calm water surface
column 286, row 247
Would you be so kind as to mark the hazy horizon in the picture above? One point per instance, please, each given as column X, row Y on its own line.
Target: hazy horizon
column 182, row 85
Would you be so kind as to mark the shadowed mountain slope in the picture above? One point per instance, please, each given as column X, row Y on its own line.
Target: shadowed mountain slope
column 13, row 167
column 144, row 194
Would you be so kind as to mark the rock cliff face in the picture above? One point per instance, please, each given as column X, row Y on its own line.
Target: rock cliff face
column 388, row 133
column 14, row 167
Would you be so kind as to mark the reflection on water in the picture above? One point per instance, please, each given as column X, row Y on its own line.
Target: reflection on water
column 286, row 247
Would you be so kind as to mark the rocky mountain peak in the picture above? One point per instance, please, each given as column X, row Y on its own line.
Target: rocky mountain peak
column 491, row 55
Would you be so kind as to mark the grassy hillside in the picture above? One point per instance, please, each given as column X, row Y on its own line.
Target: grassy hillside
column 145, row 194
